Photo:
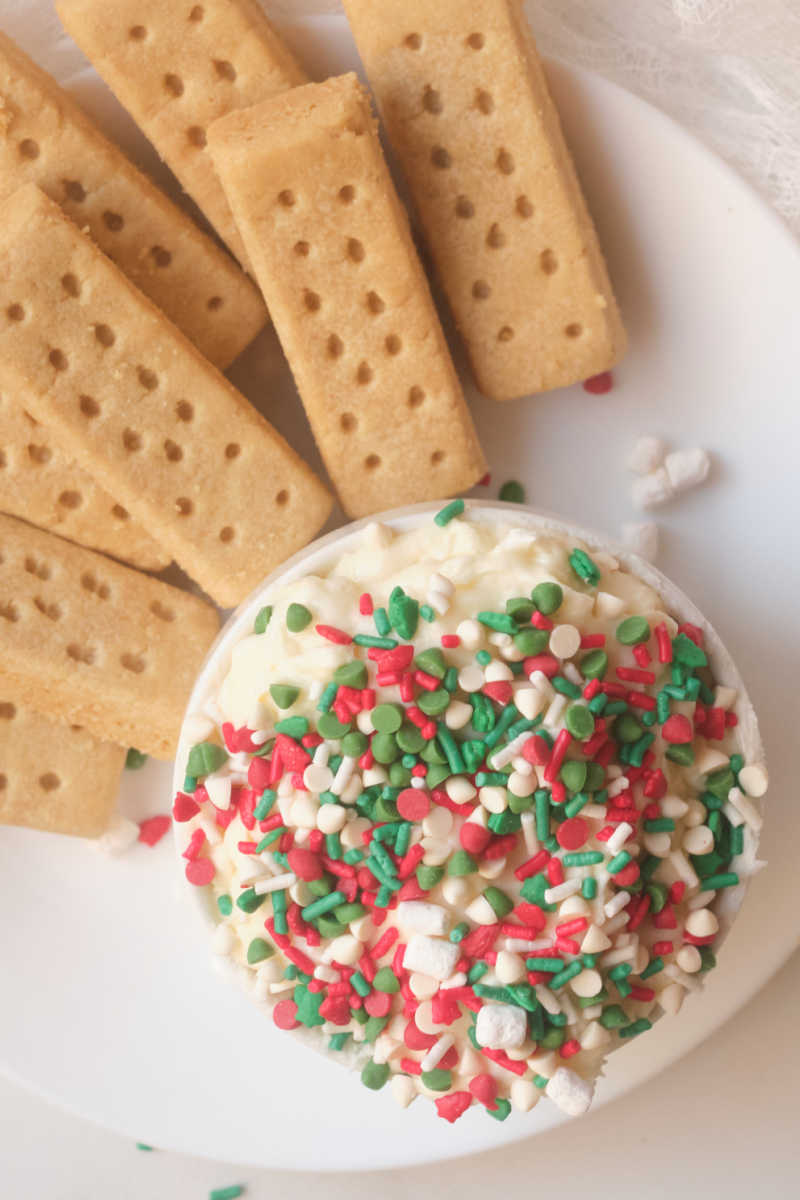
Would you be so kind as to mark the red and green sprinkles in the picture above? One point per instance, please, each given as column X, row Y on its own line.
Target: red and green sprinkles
column 556, row 773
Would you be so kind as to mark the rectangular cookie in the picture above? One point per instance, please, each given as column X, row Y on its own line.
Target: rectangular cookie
column 41, row 484
column 176, row 67
column 138, row 407
column 332, row 250
column 465, row 101
column 87, row 641
column 45, row 138
column 56, row 778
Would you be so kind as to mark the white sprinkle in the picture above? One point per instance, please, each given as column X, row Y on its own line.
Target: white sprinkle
column 314, row 690
column 619, row 837
column 571, row 672
column 326, row 974
column 547, row 1000
column 342, row 777
column 616, row 904
column 528, row 821
column 568, row 888
column 440, row 583
column 274, row 883
column 732, row 813
column 552, row 718
column 542, row 683
column 322, row 754
column 437, row 1052
column 745, row 806
column 499, row 758
column 647, row 454
column 673, row 971
column 259, row 736
column 683, row 868
column 621, row 784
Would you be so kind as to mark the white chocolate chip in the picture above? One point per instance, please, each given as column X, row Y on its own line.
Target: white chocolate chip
column 671, row 998
column 331, row 818
column 524, row 1095
column 702, row 923
column 403, row 1089
column 565, row 641
column 688, row 959
column 699, row 840
column 460, row 790
column 457, row 714
column 753, row 779
column 509, row 968
column 470, row 678
column 471, row 634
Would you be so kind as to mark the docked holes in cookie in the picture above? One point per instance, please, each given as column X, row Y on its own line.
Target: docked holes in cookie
column 28, row 148
column 196, row 136
column 287, row 198
column 282, row 498
column 15, row 312
column 7, row 711
column 416, row 396
column 437, row 457
column 432, row 100
column 476, row 41
column 104, row 335
column 355, row 250
column 90, row 583
column 172, row 451
column 505, row 334
column 71, row 285
column 81, row 654
column 147, row 378
column 113, row 221
column 49, row 782
column 9, row 612
column 394, row 344
column 348, row 422
column 135, row 663
column 347, row 194
column 173, row 84
column 184, row 411
column 524, row 207
column 413, row 41
column 465, row 209
column 302, row 249
column 89, row 406
column 364, row 374
column 495, row 238
column 548, row 262
column 225, row 70
column 120, row 513
column 74, row 191
column 441, row 158
column 232, row 451
column 375, row 303
column 214, row 303
column 227, row 534
column 505, row 162
column 484, row 102
column 40, row 455
column 372, row 462
column 161, row 257
column 131, row 440
column 162, row 611
column 51, row 611
column 573, row 330
column 58, row 360
column 34, row 567
column 335, row 346
column 311, row 301
column 481, row 289
column 137, row 33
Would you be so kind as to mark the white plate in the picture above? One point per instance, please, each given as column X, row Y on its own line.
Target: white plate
column 108, row 1005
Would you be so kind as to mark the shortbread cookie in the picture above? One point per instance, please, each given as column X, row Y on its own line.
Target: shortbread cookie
column 461, row 89
column 87, row 641
column 135, row 404
column 41, row 484
column 178, row 66
column 55, row 777
column 332, row 250
column 47, row 139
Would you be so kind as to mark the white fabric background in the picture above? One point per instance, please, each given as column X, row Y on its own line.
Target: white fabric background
column 727, row 69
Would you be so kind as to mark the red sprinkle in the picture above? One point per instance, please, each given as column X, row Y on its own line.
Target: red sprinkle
column 384, row 943
column 536, row 750
column 592, row 641
column 541, row 621
column 570, row 927
column 415, row 1039
column 502, row 1060
column 533, row 865
column 200, row 871
column 555, row 872
column 642, row 654
column 693, row 632
column 662, row 948
column 500, row 690
column 474, row 838
column 305, row 864
column 634, row 675
column 338, row 636
column 410, row 1066
column 572, row 833
column 152, row 830
column 450, row 641
column 365, row 605
column 195, row 845
column 599, row 385
column 284, row 1014
column 572, row 1046
column 664, row 643
column 677, row 891
column 558, row 755
column 545, row 663
column 453, row 1105
column 184, row 807
column 677, row 730
column 484, row 1089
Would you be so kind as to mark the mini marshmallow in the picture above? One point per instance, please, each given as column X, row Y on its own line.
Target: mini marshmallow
column 421, row 917
column 647, row 454
column 642, row 538
column 431, row 956
column 500, row 1026
column 437, row 1052
column 119, row 837
column 570, row 1092
column 687, row 468
column 648, row 491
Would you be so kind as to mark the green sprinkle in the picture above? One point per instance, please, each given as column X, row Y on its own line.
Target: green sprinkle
column 293, row 727
column 263, row 618
column 504, row 822
column 583, row 858
column 324, row 905
column 346, row 913
column 353, row 856
column 387, row 718
column 640, row 748
column 633, row 631
column 541, row 1081
column 477, row 971
column 531, row 641
column 653, row 968
column 483, row 658
column 618, row 862
column 189, row 783
column 507, row 718
column 377, row 643
column 594, row 666
column 337, row 1041
column 461, row 863
column 584, row 567
column 501, row 1110
column 542, row 809
column 621, row 971
column 573, row 774
column 500, row 903
column 737, row 841
column 459, row 932
column 351, row 674
column 386, row 981
column 708, row 958
column 427, row 613
column 327, row 698
column 428, row 877
column 681, row 754
column 445, row 515
column 589, row 889
column 333, row 846
column 403, row 613
column 491, row 779
column 726, row 879
column 410, row 741
column 273, row 836
column 564, row 976
column 354, row 744
column 403, row 838
column 512, row 492
column 579, row 721
column 359, row 983
column 640, row 1026
column 227, row 1193
column 566, row 687
column 685, row 652
column 225, row 905
column 612, row 1017
column 248, row 901
column 205, row 758
column 258, row 950
column 437, row 1080
column 450, row 748
column 552, row 965
column 283, row 694
column 329, row 726
column 143, row 1146
column 134, row 760
column 451, row 679
column 433, row 703
column 659, row 825
column 382, row 622
column 374, row 1075
column 500, row 622
column 553, row 1039
column 298, row 618
column 385, row 748
column 548, row 597
column 374, row 1026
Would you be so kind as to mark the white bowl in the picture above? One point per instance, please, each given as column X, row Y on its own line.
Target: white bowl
column 321, row 555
